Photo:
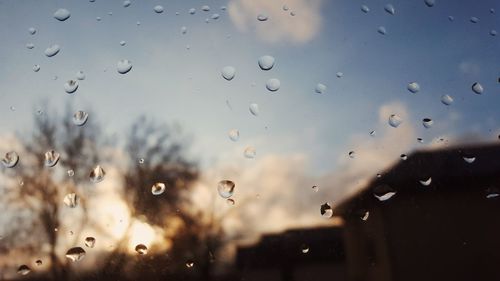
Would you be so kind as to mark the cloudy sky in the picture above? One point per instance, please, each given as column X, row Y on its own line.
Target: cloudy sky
column 302, row 138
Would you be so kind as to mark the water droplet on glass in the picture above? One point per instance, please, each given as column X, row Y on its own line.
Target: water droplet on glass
column 158, row 188
column 98, row 19
column 141, row 249
column 365, row 9
column 70, row 172
column 285, row 8
column 430, row 3
column 75, row 254
column 38, row 262
column 395, row 120
column 292, row 13
column 215, row 16
column 254, row 109
column 413, row 87
column 492, row 10
column 383, row 192
column 426, row 182
column 89, row 242
column 61, row 14
column 225, row 188
column 123, row 66
column 420, row 140
column 250, row 152
column 122, row 43
column 30, row 45
column 234, row 135
column 80, row 75
column 80, row 118
column 52, row 50
column 205, row 8
column 320, row 88
column 71, row 200
column 51, row 158
column 389, row 8
column 474, row 20
column 70, row 86
column 477, row 88
column 446, row 99
column 469, row 159
column 326, row 210
column 451, row 18
column 352, row 154
column 266, row 62
column 228, row 72
column 184, row 30
column 315, row 188
column 373, row 133
column 339, row 74
column 403, row 156
column 158, row 9
column 10, row 159
column 23, row 270
column 427, row 122
column 304, row 249
column 262, row 17
column 97, row 174
column 492, row 192
column 493, row 32
column 273, row 84
column 189, row 264
column 365, row 216
column 126, row 3
column 382, row 30
column 141, row 161
column 36, row 67
column 192, row 11
column 230, row 202
column 32, row 30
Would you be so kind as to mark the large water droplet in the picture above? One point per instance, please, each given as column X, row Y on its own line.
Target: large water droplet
column 403, row 156
column 262, row 17
column 215, row 16
column 70, row 86
column 141, row 249
column 451, row 18
column 189, row 264
column 32, row 30
column 320, row 88
column 75, row 254
column 426, row 182
column 71, row 200
column 250, row 152
column 365, row 215
column 352, row 154
column 492, row 192
column 158, row 188
column 158, row 9
column 413, row 87
column 383, row 192
column 62, row 14
column 126, row 3
column 38, row 262
column 97, row 174
column 230, row 202
column 395, row 120
column 228, row 72
column 30, row 45
column 339, row 74
column 389, row 8
column 234, row 134
column 52, row 50
column 205, row 8
column 326, row 210
column 446, row 99
column 430, row 3
column 80, row 75
column 36, row 67
column 123, row 66
column 469, row 159
column 10, row 159
column 51, row 158
column 365, row 9
column 23, row 270
column 273, row 84
column 184, row 30
column 80, row 118
column 123, row 43
column 427, row 122
column 477, row 88
column 493, row 32
column 192, row 11
column 254, row 109
column 474, row 19
column 225, row 188
column 382, row 30
column 89, row 242
column 304, row 249
column 266, row 62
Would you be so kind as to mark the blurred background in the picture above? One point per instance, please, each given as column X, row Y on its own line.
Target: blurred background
column 249, row 140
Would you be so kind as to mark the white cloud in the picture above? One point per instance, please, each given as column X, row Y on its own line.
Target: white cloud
column 280, row 27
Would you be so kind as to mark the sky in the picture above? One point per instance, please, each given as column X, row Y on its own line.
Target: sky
column 302, row 138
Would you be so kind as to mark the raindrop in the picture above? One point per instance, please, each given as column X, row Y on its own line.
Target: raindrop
column 493, row 32
column 98, row 18
column 52, row 50
column 474, row 20
column 32, row 30
column 426, row 182
column 70, row 172
column 62, row 14
column 427, row 122
column 123, row 66
column 339, row 74
column 215, row 16
column 189, row 264
column 273, row 84
column 158, row 188
column 469, row 159
column 71, row 200
column 365, row 215
column 395, row 120
column 122, row 43
column 141, row 249
column 192, row 11
column 234, row 134
column 304, row 249
column 320, row 88
column 10, row 159
column 413, row 87
column 205, row 8
column 138, row 23
column 23, row 270
column 285, row 8
column 80, row 118
column 446, row 99
column 315, row 188
column 389, row 8
column 373, row 133
column 30, row 45
column 292, row 13
column 38, row 262
column 430, row 3
column 250, row 152
column 223, row 8
column 97, row 174
column 492, row 192
column 184, row 30
column 262, row 17
column 492, row 10
column 420, row 140
column 75, row 254
column 326, row 210
column 403, row 156
column 80, row 75
column 266, row 62
column 383, row 192
column 141, row 161
column 89, row 242
column 365, row 9
column 381, row 30
column 158, row 9
column 254, row 109
column 36, row 67
column 70, row 86
column 126, row 3
column 477, row 88
column 230, row 202
column 51, row 158
column 228, row 72
column 451, row 18
column 225, row 188
column 352, row 154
